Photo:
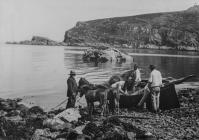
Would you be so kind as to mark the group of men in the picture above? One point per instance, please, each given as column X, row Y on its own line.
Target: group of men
column 153, row 86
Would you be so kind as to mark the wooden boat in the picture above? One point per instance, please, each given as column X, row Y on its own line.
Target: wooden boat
column 168, row 96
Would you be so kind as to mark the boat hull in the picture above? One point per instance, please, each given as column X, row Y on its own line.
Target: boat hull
column 168, row 99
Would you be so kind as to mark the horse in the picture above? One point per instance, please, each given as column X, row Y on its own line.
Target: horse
column 107, row 96
column 93, row 95
column 83, row 81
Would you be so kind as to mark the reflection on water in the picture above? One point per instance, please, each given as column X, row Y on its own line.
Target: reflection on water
column 36, row 70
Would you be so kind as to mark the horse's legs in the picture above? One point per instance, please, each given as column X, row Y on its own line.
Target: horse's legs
column 92, row 108
column 89, row 108
column 106, row 108
column 103, row 109
column 118, row 107
column 102, row 104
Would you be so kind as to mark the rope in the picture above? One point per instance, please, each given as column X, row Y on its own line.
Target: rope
column 59, row 104
column 77, row 101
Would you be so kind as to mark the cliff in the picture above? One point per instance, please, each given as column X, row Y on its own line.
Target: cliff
column 174, row 30
column 38, row 40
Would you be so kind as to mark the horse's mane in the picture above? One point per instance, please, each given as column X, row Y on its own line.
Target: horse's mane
column 125, row 75
column 114, row 79
column 86, row 84
column 83, row 81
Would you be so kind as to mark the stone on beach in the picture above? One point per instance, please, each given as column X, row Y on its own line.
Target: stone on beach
column 71, row 114
column 56, row 124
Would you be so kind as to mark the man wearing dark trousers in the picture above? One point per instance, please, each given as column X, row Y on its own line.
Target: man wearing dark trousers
column 72, row 90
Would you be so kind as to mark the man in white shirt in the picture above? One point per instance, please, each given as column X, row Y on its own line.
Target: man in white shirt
column 153, row 87
column 119, row 85
column 137, row 75
column 117, row 89
column 155, row 82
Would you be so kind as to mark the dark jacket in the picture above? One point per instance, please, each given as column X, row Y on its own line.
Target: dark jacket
column 72, row 86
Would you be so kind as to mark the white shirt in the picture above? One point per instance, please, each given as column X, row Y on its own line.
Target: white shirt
column 155, row 78
column 137, row 75
column 118, row 84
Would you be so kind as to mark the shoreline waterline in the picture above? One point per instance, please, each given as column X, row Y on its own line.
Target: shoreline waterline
column 43, row 70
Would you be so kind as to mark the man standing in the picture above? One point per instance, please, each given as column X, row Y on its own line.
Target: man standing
column 137, row 76
column 72, row 90
column 153, row 87
column 133, row 79
column 155, row 82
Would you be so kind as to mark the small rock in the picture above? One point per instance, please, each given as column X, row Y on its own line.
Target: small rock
column 2, row 113
column 69, row 115
column 57, row 124
column 36, row 110
column 14, row 118
column 131, row 135
column 13, row 113
column 44, row 134
column 79, row 129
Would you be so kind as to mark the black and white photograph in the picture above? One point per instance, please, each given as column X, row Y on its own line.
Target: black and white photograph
column 99, row 69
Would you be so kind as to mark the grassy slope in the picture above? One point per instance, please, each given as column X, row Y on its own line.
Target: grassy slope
column 170, row 29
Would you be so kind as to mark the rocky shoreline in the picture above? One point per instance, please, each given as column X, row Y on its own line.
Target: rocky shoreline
column 43, row 41
column 20, row 122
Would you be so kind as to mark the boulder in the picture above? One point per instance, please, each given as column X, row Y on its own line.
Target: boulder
column 2, row 113
column 44, row 134
column 70, row 115
column 36, row 110
column 15, row 119
column 56, row 124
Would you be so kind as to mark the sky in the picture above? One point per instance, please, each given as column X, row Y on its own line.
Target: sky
column 22, row 19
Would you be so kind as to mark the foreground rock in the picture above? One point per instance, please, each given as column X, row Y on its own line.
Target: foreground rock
column 20, row 122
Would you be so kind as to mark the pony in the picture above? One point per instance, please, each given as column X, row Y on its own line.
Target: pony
column 93, row 95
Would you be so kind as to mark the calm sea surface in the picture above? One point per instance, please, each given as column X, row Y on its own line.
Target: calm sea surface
column 43, row 70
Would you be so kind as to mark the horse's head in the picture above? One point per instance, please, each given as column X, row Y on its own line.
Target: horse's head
column 83, row 81
column 83, row 89
column 114, row 79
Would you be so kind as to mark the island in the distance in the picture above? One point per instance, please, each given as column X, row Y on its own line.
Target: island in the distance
column 38, row 40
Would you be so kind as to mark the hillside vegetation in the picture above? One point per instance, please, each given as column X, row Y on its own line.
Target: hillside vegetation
column 173, row 30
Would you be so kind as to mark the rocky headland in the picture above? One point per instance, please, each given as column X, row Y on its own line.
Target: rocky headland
column 173, row 30
column 38, row 40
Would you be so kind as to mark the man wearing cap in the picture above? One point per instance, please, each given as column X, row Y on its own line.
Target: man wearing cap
column 72, row 90
column 133, row 79
column 137, row 76
column 155, row 82
column 153, row 87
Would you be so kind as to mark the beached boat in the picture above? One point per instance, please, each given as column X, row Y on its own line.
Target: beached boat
column 168, row 95
column 104, row 54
